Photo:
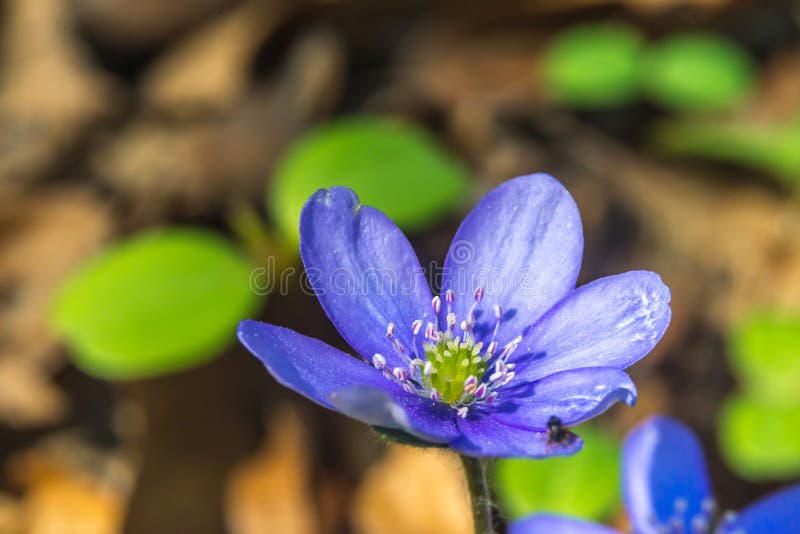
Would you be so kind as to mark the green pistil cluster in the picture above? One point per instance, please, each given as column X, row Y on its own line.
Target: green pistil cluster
column 452, row 362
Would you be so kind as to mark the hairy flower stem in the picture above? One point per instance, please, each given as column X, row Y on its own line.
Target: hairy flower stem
column 484, row 510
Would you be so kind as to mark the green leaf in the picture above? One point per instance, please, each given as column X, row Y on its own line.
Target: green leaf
column 759, row 440
column 765, row 355
column 701, row 71
column 768, row 147
column 391, row 165
column 593, row 65
column 585, row 485
column 162, row 301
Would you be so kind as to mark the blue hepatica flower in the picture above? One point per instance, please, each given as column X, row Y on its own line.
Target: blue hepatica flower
column 506, row 358
column 667, row 491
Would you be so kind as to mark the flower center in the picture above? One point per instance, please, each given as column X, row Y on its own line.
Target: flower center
column 452, row 367
column 456, row 369
column 707, row 521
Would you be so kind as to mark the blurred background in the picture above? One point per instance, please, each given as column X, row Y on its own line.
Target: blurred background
column 154, row 157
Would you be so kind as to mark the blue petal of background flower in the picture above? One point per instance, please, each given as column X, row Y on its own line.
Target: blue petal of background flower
column 665, row 482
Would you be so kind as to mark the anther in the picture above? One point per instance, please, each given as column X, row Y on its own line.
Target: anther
column 434, row 394
column 709, row 507
column 400, row 374
column 416, row 326
column 426, row 370
column 462, row 412
column 470, row 384
column 480, row 391
column 496, row 377
column 431, row 332
column 390, row 330
column 729, row 517
column 700, row 524
column 680, row 506
column 450, row 296
column 478, row 295
column 436, row 303
column 415, row 364
column 491, row 398
column 451, row 322
column 510, row 347
column 378, row 361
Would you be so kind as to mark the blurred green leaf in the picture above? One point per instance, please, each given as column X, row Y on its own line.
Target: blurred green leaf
column 765, row 354
column 702, row 71
column 769, row 147
column 162, row 301
column 585, row 485
column 391, row 165
column 760, row 440
column 593, row 65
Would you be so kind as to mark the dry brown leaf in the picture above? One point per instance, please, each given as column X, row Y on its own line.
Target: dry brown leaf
column 49, row 91
column 271, row 492
column 10, row 515
column 736, row 245
column 413, row 490
column 51, row 235
column 196, row 167
column 779, row 94
column 442, row 61
column 70, row 488
column 208, row 71
column 146, row 24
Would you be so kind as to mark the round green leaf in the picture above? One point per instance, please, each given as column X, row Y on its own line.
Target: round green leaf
column 391, row 165
column 585, row 485
column 593, row 65
column 760, row 440
column 162, row 301
column 702, row 71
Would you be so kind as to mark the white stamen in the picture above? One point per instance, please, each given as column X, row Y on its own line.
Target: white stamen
column 462, row 412
column 416, row 326
column 700, row 524
column 470, row 384
column 378, row 361
column 451, row 322
column 434, row 394
column 478, row 295
column 495, row 377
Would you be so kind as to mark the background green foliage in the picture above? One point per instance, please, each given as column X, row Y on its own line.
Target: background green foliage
column 392, row 165
column 585, row 485
column 161, row 301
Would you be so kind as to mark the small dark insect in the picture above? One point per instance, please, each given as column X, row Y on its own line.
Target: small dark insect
column 557, row 433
